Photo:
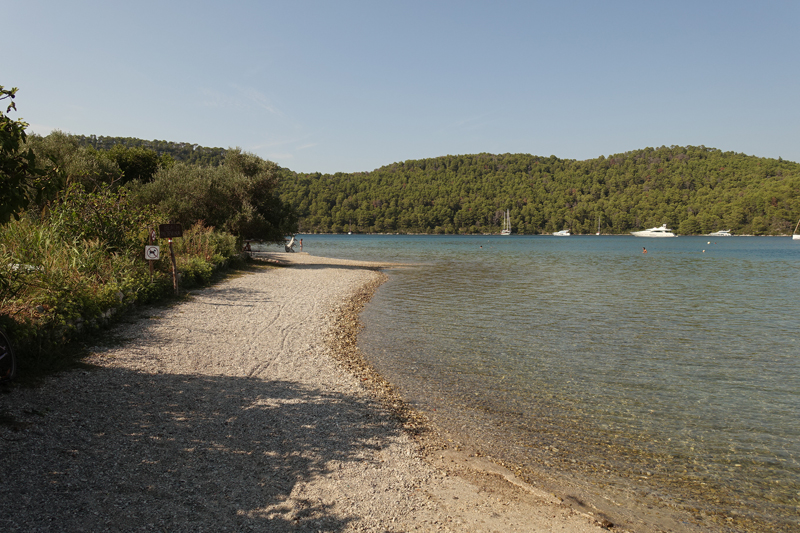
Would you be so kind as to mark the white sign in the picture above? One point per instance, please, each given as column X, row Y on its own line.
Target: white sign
column 151, row 253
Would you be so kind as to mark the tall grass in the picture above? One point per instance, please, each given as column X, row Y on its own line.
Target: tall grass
column 76, row 258
column 67, row 272
column 200, row 251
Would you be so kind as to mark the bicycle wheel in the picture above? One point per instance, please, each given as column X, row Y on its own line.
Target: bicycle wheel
column 8, row 363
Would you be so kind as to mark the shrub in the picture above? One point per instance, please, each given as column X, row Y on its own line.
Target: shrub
column 195, row 271
column 238, row 197
column 104, row 214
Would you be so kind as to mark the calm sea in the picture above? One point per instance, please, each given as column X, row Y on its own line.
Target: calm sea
column 666, row 380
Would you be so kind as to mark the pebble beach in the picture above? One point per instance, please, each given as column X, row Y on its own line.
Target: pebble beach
column 247, row 407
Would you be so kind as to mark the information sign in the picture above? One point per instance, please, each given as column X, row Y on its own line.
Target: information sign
column 170, row 231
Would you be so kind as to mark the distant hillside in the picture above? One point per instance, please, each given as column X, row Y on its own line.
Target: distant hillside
column 692, row 189
column 185, row 152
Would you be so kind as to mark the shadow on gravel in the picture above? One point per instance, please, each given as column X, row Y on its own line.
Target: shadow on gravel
column 177, row 453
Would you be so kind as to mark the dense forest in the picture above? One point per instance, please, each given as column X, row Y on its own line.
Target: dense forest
column 183, row 152
column 692, row 189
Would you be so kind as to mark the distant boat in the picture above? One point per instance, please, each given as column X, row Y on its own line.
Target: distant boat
column 654, row 232
column 506, row 224
column 598, row 225
column 795, row 235
column 562, row 233
column 721, row 233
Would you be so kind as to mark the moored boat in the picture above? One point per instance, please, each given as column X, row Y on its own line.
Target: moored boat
column 721, row 233
column 506, row 224
column 562, row 233
column 654, row 232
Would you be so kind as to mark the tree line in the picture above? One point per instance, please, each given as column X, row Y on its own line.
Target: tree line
column 178, row 151
column 693, row 189
column 237, row 196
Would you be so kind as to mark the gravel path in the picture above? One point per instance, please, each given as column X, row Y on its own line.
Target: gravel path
column 227, row 412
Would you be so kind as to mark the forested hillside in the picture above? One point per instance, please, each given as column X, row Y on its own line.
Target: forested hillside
column 183, row 152
column 692, row 189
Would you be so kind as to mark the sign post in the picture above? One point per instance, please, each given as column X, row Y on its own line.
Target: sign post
column 151, row 252
column 169, row 231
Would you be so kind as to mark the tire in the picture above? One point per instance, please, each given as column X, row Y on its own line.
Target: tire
column 8, row 363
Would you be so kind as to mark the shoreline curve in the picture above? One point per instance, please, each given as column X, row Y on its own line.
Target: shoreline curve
column 236, row 409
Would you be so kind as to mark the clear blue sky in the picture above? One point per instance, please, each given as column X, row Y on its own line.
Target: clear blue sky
column 350, row 86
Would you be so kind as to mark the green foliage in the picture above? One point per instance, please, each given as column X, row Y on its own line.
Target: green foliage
column 21, row 183
column 689, row 226
column 61, row 154
column 136, row 163
column 206, row 243
column 105, row 215
column 167, row 151
column 237, row 197
column 60, row 278
column 195, row 271
column 75, row 257
column 698, row 189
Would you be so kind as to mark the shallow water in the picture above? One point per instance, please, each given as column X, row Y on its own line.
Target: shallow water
column 673, row 374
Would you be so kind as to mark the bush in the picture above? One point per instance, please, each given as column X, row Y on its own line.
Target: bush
column 67, row 272
column 61, row 154
column 238, row 197
column 195, row 271
column 104, row 214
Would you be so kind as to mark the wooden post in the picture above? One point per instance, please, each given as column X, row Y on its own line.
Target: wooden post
column 169, row 231
column 174, row 268
column 152, row 240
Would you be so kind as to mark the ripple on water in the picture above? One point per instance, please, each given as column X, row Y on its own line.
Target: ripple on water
column 675, row 375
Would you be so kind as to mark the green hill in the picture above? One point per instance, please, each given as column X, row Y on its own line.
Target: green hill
column 693, row 189
column 184, row 152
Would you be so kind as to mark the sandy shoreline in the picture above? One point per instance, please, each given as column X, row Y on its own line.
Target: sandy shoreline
column 244, row 408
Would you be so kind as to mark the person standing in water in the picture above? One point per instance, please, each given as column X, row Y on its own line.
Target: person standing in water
column 644, row 250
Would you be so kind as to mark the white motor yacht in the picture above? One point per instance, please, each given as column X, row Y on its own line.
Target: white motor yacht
column 654, row 232
column 721, row 233
column 562, row 233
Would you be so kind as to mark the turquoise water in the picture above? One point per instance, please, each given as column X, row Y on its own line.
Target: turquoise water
column 674, row 375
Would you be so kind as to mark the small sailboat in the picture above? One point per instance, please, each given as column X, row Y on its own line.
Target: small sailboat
column 506, row 223
column 795, row 235
column 598, row 225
